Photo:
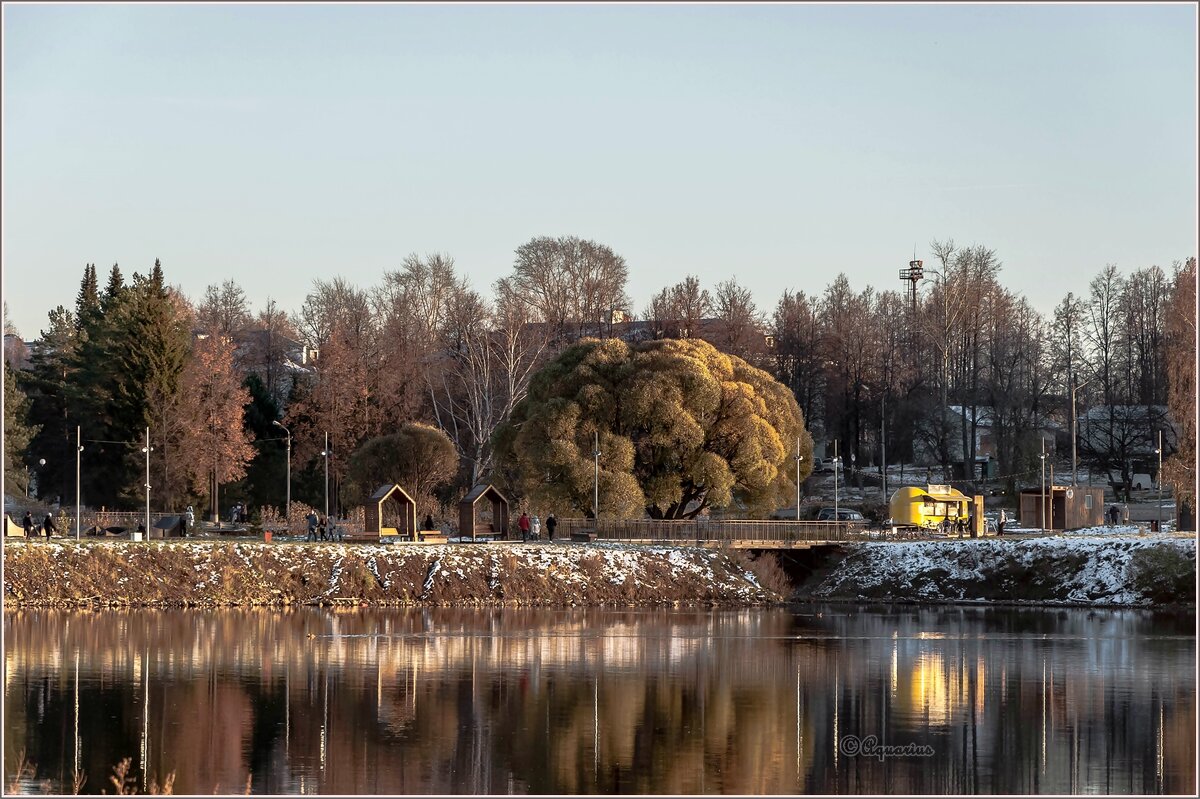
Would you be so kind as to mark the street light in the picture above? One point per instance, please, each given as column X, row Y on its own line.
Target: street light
column 1043, row 457
column 78, row 450
column 287, row 508
column 325, row 453
column 41, row 462
column 1158, row 451
column 799, row 458
column 596, row 483
column 147, row 449
column 1075, row 431
column 836, row 463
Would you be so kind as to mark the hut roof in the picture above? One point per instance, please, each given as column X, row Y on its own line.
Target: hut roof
column 478, row 491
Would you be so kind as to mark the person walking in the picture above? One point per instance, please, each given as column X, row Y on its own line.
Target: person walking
column 551, row 523
column 48, row 526
column 27, row 523
column 323, row 528
column 1000, row 524
column 189, row 519
column 535, row 528
column 312, row 526
column 1114, row 513
column 523, row 525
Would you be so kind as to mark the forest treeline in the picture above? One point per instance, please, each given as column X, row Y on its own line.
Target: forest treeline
column 218, row 380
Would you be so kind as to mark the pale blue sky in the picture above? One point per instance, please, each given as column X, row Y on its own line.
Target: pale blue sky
column 778, row 144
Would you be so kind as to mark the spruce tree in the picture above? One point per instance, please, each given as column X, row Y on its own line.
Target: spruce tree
column 18, row 432
column 113, row 291
column 87, row 302
column 48, row 380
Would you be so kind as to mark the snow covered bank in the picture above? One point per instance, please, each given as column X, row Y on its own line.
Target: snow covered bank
column 1107, row 569
column 38, row 574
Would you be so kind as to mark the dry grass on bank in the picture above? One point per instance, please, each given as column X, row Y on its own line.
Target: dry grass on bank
column 180, row 574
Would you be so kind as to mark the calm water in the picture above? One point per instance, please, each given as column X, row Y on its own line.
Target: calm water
column 525, row 701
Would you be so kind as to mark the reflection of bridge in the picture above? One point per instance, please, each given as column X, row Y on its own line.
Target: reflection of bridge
column 735, row 534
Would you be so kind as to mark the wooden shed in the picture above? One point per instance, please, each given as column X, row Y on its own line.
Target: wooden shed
column 467, row 511
column 391, row 511
column 1067, row 507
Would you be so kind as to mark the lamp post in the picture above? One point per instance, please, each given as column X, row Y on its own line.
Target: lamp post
column 325, row 453
column 799, row 458
column 1075, row 432
column 41, row 462
column 836, row 463
column 287, row 507
column 1043, row 457
column 147, row 449
column 78, row 450
column 883, row 446
column 596, row 480
column 1158, row 451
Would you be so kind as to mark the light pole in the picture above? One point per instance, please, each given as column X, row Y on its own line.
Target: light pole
column 1075, row 431
column 883, row 445
column 836, row 463
column 1043, row 457
column 287, row 508
column 78, row 450
column 146, row 449
column 799, row 458
column 325, row 453
column 1158, row 451
column 596, row 480
column 41, row 462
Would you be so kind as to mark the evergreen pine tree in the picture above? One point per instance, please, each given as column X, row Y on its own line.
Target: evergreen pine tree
column 113, row 291
column 87, row 302
column 48, row 383
column 17, row 433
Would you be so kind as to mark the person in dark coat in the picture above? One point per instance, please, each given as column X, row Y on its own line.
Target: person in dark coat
column 428, row 523
column 551, row 523
column 48, row 525
column 1114, row 513
column 27, row 523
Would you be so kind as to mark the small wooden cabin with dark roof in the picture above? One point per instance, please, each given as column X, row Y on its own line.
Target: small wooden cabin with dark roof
column 467, row 512
column 391, row 511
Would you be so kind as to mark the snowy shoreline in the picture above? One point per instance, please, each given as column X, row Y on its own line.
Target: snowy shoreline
column 1107, row 570
column 218, row 574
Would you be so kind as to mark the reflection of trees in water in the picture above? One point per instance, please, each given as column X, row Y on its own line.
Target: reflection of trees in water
column 428, row 701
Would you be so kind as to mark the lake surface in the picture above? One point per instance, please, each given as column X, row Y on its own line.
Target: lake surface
column 600, row 701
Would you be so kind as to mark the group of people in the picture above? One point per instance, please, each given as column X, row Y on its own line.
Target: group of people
column 30, row 525
column 531, row 528
column 237, row 514
column 320, row 528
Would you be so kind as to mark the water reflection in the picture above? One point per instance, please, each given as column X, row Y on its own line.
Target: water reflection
column 537, row 701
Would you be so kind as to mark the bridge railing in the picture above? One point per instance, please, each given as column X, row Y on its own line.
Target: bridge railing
column 708, row 530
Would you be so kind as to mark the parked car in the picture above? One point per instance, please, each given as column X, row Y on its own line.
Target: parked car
column 823, row 465
column 841, row 514
column 1140, row 481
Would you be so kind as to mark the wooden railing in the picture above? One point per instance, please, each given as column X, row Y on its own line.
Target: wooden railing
column 682, row 531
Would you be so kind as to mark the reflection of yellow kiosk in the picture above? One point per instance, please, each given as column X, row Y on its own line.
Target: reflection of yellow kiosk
column 930, row 508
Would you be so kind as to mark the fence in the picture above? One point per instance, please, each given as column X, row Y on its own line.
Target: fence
column 707, row 530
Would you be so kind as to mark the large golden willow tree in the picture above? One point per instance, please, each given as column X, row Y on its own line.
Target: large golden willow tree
column 682, row 428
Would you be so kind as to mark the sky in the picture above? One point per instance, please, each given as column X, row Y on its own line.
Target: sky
column 778, row 144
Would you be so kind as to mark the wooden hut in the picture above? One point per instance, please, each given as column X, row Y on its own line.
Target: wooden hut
column 467, row 511
column 1067, row 507
column 404, row 521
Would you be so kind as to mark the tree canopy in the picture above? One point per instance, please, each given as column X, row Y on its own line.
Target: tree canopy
column 417, row 457
column 682, row 428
